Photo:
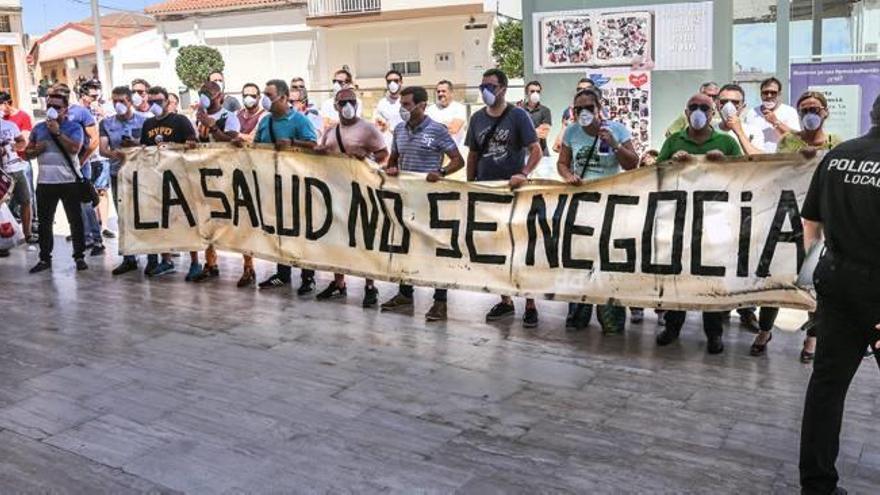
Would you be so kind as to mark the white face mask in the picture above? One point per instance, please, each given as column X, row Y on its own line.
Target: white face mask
column 156, row 109
column 405, row 114
column 698, row 120
column 393, row 87
column 136, row 99
column 811, row 121
column 488, row 97
column 249, row 101
column 121, row 108
column 535, row 98
column 204, row 101
column 52, row 114
column 348, row 112
column 728, row 110
column 769, row 105
column 336, row 88
column 585, row 118
column 266, row 103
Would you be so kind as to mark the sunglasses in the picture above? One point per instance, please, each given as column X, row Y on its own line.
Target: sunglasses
column 389, row 81
column 816, row 110
column 160, row 102
column 693, row 107
column 342, row 103
column 589, row 108
column 769, row 92
column 491, row 87
column 725, row 102
column 340, row 82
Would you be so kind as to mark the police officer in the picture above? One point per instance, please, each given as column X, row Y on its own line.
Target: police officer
column 843, row 203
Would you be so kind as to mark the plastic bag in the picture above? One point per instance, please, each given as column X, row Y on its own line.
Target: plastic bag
column 10, row 231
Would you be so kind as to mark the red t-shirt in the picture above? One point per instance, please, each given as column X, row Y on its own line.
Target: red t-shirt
column 23, row 121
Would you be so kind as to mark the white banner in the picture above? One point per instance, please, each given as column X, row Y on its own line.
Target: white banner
column 706, row 235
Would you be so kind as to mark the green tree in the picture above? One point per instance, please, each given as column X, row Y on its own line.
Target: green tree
column 195, row 63
column 507, row 48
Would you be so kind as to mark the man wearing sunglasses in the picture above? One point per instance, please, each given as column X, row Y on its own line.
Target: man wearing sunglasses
column 139, row 88
column 502, row 145
column 285, row 127
column 341, row 79
column 56, row 144
column 568, row 116
column 772, row 117
column 92, row 167
column 710, row 89
column 299, row 100
column 731, row 104
column 699, row 138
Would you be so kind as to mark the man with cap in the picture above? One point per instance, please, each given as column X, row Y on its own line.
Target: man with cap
column 842, row 203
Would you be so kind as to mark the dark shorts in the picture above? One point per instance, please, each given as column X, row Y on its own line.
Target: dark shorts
column 21, row 191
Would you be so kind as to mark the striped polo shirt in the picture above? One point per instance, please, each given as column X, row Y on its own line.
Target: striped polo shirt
column 421, row 149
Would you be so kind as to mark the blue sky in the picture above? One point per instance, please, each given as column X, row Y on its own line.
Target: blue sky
column 42, row 15
column 754, row 44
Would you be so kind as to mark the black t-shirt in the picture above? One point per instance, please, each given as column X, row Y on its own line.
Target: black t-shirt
column 845, row 196
column 540, row 115
column 173, row 128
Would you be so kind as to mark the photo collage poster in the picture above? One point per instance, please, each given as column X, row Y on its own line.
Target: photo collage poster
column 626, row 98
column 597, row 40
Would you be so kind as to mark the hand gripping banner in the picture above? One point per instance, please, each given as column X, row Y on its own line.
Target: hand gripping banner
column 702, row 236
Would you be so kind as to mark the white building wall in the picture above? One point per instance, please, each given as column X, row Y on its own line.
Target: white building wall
column 143, row 56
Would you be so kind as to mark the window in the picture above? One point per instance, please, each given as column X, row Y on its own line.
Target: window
column 408, row 68
column 5, row 24
column 6, row 76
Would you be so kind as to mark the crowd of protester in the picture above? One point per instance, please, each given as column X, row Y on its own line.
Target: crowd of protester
column 84, row 134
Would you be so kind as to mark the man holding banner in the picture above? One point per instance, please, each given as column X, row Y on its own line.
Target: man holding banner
column 842, row 203
column 419, row 145
column 699, row 138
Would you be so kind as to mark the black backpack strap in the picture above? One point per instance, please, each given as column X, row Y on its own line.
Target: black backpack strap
column 339, row 139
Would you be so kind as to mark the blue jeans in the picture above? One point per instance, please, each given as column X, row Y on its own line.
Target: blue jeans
column 91, row 225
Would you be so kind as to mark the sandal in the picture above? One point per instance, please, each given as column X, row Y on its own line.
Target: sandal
column 760, row 349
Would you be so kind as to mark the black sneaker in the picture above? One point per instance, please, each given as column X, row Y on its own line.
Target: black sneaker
column 4, row 253
column 273, row 282
column 41, row 266
column 207, row 273
column 332, row 291
column 715, row 345
column 151, row 266
column 81, row 265
column 125, row 267
column 500, row 311
column 307, row 287
column 530, row 319
column 371, row 297
column 97, row 250
column 666, row 337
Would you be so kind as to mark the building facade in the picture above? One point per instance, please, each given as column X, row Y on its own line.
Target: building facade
column 14, row 76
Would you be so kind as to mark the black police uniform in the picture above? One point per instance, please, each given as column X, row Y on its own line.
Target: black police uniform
column 845, row 197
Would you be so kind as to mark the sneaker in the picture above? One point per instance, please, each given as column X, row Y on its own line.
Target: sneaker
column 398, row 303
column 371, row 297
column 569, row 318
column 32, row 239
column 163, row 268
column 81, row 264
column 208, row 272
column 715, row 345
column 306, row 288
column 582, row 316
column 666, row 337
column 194, row 270
column 273, row 282
column 109, row 234
column 500, row 311
column 4, row 253
column 151, row 266
column 437, row 312
column 248, row 279
column 332, row 291
column 97, row 250
column 637, row 315
column 530, row 318
column 125, row 267
column 41, row 266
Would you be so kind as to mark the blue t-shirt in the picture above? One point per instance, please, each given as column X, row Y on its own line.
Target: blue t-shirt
column 293, row 126
column 114, row 129
column 421, row 149
column 505, row 153
column 53, row 165
column 603, row 161
column 83, row 116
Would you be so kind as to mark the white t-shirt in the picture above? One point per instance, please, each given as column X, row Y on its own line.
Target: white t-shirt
column 232, row 124
column 445, row 115
column 755, row 135
column 786, row 114
column 11, row 161
column 328, row 109
column 389, row 111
